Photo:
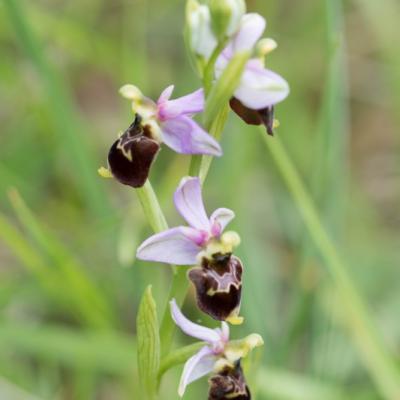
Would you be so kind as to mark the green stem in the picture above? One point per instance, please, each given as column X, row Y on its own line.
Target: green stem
column 208, row 75
column 151, row 207
column 380, row 365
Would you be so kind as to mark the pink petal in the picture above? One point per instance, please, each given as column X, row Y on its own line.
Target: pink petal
column 219, row 219
column 165, row 95
column 251, row 28
column 189, row 203
column 185, row 136
column 173, row 246
column 202, row 363
column 190, row 104
column 190, row 328
column 260, row 87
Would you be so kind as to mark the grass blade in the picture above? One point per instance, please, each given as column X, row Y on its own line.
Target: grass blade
column 366, row 338
column 67, row 124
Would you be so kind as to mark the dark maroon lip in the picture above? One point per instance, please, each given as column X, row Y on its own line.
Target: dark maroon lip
column 229, row 383
column 218, row 284
column 131, row 156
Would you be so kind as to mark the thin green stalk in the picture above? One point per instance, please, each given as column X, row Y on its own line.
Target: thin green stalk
column 208, row 76
column 329, row 183
column 151, row 207
column 209, row 69
column 381, row 366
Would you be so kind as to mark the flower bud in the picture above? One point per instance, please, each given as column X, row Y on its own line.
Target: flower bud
column 198, row 21
column 265, row 46
column 226, row 16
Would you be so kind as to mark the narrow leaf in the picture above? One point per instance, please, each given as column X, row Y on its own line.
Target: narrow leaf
column 223, row 90
column 178, row 356
column 148, row 342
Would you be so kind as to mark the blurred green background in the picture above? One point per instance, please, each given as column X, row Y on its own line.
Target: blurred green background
column 69, row 283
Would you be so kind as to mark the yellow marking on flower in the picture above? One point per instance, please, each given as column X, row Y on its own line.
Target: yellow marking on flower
column 230, row 240
column 265, row 46
column 235, row 320
column 131, row 92
column 221, row 364
column 155, row 130
column 237, row 349
column 105, row 172
column 127, row 154
column 276, row 124
column 224, row 245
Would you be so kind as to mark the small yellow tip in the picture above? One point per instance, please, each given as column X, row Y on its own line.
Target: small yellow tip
column 266, row 46
column 235, row 320
column 104, row 172
column 231, row 239
column 131, row 92
column 275, row 124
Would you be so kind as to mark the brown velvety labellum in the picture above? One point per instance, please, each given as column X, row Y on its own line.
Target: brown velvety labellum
column 131, row 156
column 264, row 116
column 218, row 284
column 229, row 384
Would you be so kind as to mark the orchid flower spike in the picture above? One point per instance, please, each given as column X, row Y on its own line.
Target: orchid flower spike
column 259, row 88
column 166, row 121
column 217, row 276
column 219, row 356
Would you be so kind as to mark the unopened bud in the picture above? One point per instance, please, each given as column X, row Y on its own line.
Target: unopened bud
column 225, row 16
column 265, row 46
column 198, row 21
column 131, row 92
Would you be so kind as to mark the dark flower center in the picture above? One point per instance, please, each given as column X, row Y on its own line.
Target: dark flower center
column 229, row 384
column 218, row 284
column 130, row 157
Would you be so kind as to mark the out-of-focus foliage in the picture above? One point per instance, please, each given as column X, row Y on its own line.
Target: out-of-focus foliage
column 69, row 283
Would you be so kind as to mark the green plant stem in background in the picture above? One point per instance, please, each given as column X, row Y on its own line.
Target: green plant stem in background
column 382, row 368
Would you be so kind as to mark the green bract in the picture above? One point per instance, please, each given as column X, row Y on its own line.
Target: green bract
column 148, row 345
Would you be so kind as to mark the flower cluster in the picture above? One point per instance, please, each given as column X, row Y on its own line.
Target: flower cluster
column 217, row 31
